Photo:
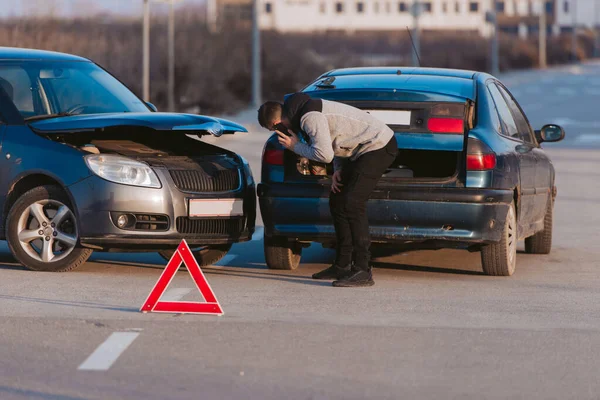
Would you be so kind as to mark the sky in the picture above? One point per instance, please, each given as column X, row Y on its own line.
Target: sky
column 68, row 8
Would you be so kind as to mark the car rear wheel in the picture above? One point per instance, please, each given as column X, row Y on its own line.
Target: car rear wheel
column 500, row 259
column 541, row 242
column 281, row 253
column 205, row 256
column 42, row 232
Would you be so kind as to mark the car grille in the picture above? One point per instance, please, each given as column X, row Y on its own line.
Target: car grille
column 150, row 222
column 201, row 182
column 219, row 226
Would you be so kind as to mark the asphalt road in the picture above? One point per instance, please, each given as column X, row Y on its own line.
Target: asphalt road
column 432, row 327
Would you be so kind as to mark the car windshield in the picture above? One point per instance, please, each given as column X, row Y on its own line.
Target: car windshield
column 42, row 89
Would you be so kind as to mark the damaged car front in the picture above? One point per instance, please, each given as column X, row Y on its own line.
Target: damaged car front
column 87, row 165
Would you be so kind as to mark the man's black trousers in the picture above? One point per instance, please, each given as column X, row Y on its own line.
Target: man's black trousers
column 349, row 207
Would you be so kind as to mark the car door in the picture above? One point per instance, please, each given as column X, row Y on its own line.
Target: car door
column 525, row 157
column 542, row 188
column 15, row 99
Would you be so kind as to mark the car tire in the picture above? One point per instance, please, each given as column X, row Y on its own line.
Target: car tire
column 281, row 253
column 53, row 247
column 500, row 259
column 205, row 256
column 541, row 242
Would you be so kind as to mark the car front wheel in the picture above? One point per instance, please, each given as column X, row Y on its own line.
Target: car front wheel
column 500, row 259
column 282, row 254
column 205, row 256
column 42, row 234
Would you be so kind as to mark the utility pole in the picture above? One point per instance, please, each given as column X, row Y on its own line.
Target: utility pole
column 416, row 12
column 595, row 26
column 146, row 52
column 256, row 73
column 492, row 18
column 542, row 40
column 171, row 56
column 574, row 33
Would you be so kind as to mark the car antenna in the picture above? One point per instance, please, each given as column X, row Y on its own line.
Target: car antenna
column 413, row 46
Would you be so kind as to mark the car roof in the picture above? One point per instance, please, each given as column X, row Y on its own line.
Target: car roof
column 14, row 53
column 446, row 72
column 432, row 81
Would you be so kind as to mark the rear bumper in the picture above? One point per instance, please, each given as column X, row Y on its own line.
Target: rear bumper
column 396, row 215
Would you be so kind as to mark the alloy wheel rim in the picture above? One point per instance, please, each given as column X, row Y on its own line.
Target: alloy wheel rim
column 47, row 231
column 511, row 239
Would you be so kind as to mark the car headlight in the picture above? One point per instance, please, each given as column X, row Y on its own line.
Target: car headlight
column 123, row 170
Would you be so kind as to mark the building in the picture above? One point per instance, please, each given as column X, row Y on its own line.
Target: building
column 514, row 16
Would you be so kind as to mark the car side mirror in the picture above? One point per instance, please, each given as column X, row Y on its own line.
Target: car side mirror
column 550, row 133
column 151, row 106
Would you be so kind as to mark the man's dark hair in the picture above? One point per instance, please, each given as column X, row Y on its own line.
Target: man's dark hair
column 268, row 112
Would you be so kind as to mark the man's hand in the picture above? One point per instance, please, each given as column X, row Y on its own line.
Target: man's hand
column 336, row 181
column 287, row 141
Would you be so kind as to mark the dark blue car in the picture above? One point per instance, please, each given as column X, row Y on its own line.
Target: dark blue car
column 470, row 172
column 86, row 165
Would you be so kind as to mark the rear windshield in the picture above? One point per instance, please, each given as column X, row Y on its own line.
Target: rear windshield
column 426, row 84
column 42, row 88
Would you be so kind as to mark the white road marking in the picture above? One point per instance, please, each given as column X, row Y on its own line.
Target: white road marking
column 175, row 294
column 108, row 352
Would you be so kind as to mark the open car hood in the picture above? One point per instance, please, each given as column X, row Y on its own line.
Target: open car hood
column 190, row 123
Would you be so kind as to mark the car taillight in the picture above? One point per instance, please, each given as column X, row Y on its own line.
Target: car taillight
column 481, row 162
column 273, row 157
column 445, row 125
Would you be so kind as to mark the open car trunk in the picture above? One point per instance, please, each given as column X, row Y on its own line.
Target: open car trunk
column 431, row 141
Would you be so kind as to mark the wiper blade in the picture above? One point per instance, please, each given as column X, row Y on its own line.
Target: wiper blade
column 48, row 116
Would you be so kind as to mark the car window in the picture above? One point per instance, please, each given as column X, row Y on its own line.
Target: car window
column 17, row 85
column 40, row 88
column 509, row 126
column 520, row 119
column 494, row 114
column 81, row 88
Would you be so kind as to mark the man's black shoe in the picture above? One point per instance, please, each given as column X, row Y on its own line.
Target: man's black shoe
column 333, row 272
column 358, row 278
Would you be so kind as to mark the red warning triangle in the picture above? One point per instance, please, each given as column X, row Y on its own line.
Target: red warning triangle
column 211, row 304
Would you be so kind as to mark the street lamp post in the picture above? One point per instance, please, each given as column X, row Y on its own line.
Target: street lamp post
column 146, row 52
column 492, row 18
column 416, row 12
column 256, row 75
column 595, row 26
column 171, row 56
column 542, row 38
column 171, row 53
column 574, row 33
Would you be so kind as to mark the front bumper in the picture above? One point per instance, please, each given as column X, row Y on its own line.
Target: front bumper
column 95, row 198
column 396, row 215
